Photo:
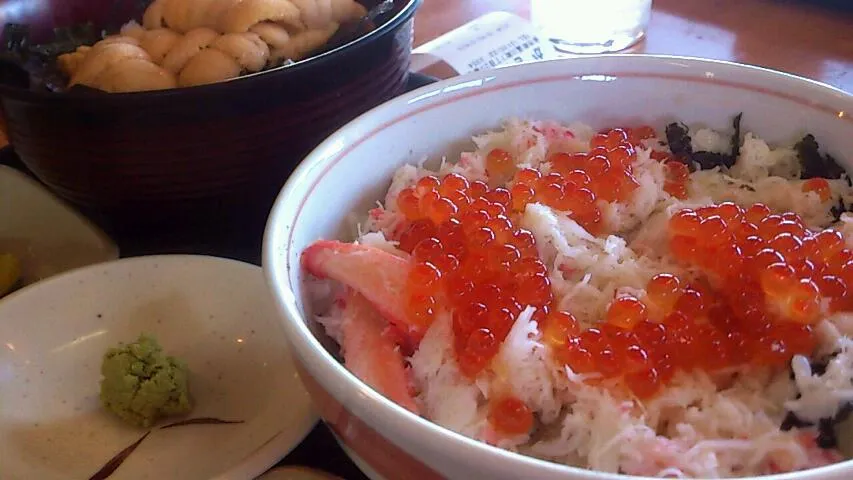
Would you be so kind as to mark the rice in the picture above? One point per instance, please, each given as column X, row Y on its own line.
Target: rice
column 725, row 424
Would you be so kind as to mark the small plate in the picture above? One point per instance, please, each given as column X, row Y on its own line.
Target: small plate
column 214, row 313
column 47, row 235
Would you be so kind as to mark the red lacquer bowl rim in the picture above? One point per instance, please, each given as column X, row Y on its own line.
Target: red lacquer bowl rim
column 363, row 401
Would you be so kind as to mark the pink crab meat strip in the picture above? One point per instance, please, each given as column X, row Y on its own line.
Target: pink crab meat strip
column 378, row 275
column 370, row 354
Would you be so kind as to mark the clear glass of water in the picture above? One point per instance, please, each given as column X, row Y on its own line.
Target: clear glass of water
column 591, row 26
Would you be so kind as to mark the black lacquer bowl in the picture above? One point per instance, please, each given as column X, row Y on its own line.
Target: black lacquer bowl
column 162, row 159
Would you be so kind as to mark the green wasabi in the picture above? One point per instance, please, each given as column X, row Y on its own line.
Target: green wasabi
column 141, row 384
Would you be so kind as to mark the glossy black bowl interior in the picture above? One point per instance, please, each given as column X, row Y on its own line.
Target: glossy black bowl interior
column 215, row 155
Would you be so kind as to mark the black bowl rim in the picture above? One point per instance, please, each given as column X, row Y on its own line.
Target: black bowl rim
column 405, row 13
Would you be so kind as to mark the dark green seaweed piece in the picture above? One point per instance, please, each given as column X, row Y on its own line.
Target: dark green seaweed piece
column 34, row 66
column 837, row 210
column 679, row 141
column 793, row 421
column 15, row 38
column 827, row 427
column 67, row 40
column 736, row 137
column 709, row 160
column 677, row 135
column 813, row 164
column 826, row 437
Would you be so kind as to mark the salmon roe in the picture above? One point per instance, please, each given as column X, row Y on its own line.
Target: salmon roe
column 767, row 278
column 820, row 186
column 470, row 257
column 577, row 181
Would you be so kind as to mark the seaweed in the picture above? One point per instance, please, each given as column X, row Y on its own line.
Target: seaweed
column 709, row 160
column 15, row 37
column 818, row 366
column 827, row 436
column 837, row 210
column 67, row 40
column 736, row 137
column 813, row 164
column 680, row 143
column 27, row 65
column 791, row 420
column 678, row 137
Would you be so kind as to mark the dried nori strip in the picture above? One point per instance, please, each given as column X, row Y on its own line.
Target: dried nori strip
column 813, row 164
column 709, row 160
column 844, row 412
column 678, row 137
column 793, row 421
column 736, row 137
column 27, row 66
column 15, row 38
column 837, row 210
column 827, row 433
column 680, row 143
column 826, row 437
column 819, row 366
column 67, row 40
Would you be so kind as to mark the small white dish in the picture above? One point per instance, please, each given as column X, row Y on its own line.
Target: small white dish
column 47, row 235
column 214, row 313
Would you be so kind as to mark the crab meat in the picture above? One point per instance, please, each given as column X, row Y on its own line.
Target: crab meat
column 378, row 275
column 372, row 355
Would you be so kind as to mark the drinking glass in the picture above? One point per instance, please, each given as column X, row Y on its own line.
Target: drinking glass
column 591, row 26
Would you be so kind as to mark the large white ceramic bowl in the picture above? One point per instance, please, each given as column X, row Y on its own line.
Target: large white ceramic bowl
column 353, row 168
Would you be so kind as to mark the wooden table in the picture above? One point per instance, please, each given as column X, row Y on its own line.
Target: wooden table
column 792, row 36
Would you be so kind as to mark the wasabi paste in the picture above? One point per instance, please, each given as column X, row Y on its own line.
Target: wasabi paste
column 141, row 384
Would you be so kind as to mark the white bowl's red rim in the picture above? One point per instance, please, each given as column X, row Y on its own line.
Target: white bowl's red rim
column 289, row 205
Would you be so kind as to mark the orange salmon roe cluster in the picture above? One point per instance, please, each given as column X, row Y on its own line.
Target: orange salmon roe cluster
column 770, row 267
column 767, row 281
column 677, row 174
column 471, row 257
column 577, row 180
column 819, row 186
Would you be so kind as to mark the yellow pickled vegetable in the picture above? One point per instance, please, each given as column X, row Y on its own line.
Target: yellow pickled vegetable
column 10, row 272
